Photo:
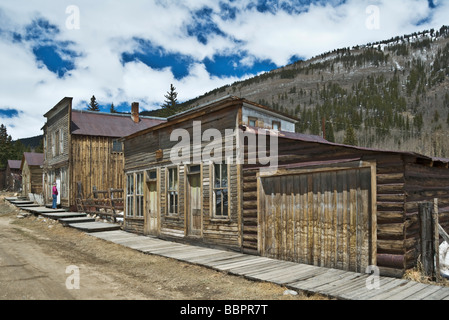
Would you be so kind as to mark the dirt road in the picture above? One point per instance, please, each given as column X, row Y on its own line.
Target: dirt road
column 35, row 254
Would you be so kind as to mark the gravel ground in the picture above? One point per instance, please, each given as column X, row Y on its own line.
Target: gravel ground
column 38, row 257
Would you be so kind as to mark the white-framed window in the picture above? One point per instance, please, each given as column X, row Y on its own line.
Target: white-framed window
column 134, row 194
column 130, row 195
column 172, row 191
column 220, row 191
column 139, row 194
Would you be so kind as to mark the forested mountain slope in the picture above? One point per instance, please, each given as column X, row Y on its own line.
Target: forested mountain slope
column 394, row 94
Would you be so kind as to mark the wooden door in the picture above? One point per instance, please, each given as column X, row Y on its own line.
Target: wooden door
column 152, row 212
column 194, row 205
column 318, row 218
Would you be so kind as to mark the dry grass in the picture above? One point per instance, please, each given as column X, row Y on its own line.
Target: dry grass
column 417, row 274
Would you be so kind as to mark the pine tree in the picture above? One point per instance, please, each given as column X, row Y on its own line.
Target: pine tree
column 329, row 132
column 93, row 105
column 6, row 147
column 113, row 109
column 171, row 100
column 350, row 138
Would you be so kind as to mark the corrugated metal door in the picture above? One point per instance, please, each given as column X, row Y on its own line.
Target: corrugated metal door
column 318, row 218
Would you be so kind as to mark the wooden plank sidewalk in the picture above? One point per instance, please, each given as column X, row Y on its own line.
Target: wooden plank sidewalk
column 333, row 283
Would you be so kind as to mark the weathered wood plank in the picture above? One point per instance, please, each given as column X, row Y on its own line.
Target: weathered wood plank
column 427, row 291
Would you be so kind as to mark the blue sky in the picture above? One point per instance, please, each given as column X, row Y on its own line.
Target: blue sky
column 132, row 51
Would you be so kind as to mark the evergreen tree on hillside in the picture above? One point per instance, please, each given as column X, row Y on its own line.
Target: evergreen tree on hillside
column 329, row 132
column 171, row 101
column 350, row 137
column 93, row 105
column 5, row 146
column 10, row 150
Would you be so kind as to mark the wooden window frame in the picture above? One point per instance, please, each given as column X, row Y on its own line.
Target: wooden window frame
column 114, row 144
column 135, row 195
column 253, row 119
column 223, row 215
column 139, row 194
column 130, row 195
column 172, row 192
column 278, row 124
column 61, row 141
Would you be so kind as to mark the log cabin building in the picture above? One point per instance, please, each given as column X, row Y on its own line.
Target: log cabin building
column 31, row 167
column 83, row 147
column 323, row 203
column 13, row 176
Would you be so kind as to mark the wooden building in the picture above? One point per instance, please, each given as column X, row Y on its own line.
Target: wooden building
column 13, row 176
column 83, row 147
column 321, row 203
column 31, row 167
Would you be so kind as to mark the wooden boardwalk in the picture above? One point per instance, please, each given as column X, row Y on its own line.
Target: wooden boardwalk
column 333, row 283
column 328, row 282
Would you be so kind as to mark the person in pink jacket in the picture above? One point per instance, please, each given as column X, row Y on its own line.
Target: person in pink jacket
column 55, row 195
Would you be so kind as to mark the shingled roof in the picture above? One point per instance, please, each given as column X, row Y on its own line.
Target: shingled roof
column 109, row 124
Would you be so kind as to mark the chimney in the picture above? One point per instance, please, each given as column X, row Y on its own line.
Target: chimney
column 135, row 112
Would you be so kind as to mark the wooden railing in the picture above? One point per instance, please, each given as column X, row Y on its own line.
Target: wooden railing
column 103, row 203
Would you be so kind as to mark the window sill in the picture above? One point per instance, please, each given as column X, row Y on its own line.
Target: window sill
column 218, row 219
column 174, row 218
column 134, row 218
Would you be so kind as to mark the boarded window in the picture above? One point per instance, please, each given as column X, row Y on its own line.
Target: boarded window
column 172, row 191
column 220, row 190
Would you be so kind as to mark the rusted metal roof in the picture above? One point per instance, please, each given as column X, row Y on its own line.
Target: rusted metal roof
column 34, row 159
column 109, row 124
column 320, row 140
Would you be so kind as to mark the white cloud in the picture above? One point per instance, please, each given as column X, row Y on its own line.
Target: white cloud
column 107, row 29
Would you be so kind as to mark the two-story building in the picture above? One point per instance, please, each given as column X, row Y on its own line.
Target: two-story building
column 83, row 148
column 234, row 174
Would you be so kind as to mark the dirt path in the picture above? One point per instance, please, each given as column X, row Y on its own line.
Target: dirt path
column 35, row 254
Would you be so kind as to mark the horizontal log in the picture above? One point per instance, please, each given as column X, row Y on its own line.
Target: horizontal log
column 390, row 188
column 390, row 230
column 396, row 261
column 390, row 216
column 391, row 272
column 399, row 197
column 389, row 205
column 250, row 186
column 390, row 246
column 250, row 229
column 250, row 205
column 249, row 195
column 383, row 178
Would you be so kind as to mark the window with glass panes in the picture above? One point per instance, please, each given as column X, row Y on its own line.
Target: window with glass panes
column 130, row 194
column 220, row 190
column 172, row 191
column 134, row 195
column 139, row 194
